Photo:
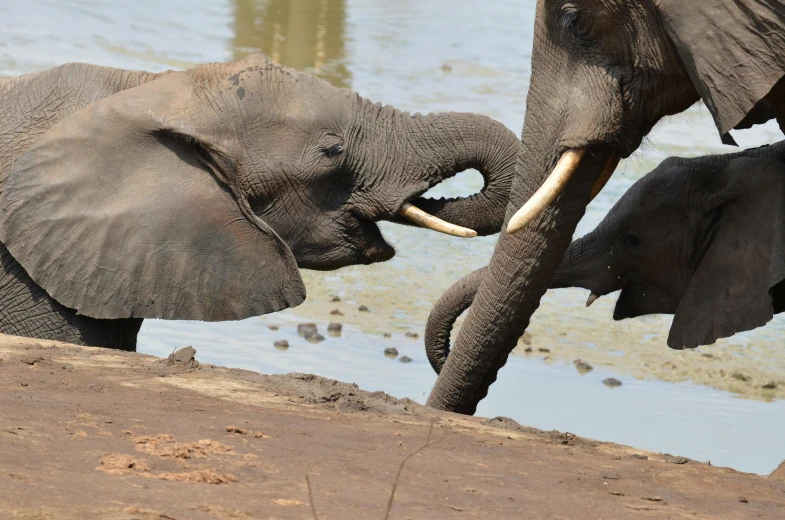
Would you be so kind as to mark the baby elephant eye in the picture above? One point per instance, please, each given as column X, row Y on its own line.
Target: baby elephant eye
column 630, row 239
column 334, row 150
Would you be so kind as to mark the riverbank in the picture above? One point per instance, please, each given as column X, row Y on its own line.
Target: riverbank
column 93, row 433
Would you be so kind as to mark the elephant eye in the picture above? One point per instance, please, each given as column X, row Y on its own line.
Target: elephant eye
column 334, row 150
column 631, row 239
column 573, row 20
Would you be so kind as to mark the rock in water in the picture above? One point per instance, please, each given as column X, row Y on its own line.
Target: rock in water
column 281, row 344
column 391, row 352
column 611, row 382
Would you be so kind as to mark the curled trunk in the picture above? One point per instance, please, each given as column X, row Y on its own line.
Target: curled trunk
column 452, row 304
column 443, row 145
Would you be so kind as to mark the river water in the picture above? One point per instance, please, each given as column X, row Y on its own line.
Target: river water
column 434, row 56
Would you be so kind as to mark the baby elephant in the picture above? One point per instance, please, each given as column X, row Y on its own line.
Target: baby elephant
column 701, row 238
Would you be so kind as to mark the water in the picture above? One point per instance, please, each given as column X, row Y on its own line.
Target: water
column 423, row 56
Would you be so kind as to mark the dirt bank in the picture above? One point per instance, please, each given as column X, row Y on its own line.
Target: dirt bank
column 91, row 433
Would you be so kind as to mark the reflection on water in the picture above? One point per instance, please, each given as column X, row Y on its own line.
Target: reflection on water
column 433, row 55
column 304, row 34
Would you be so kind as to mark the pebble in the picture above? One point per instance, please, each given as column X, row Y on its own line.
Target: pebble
column 741, row 377
column 671, row 459
column 363, row 308
column 309, row 332
column 405, row 359
column 386, row 335
column 544, row 349
column 281, row 344
column 582, row 366
column 611, row 382
column 335, row 299
column 412, row 335
column 528, row 350
column 272, row 327
column 334, row 329
column 391, row 352
column 770, row 386
column 336, row 312
column 306, row 329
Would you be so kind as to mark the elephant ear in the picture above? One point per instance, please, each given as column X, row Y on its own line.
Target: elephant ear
column 733, row 51
column 127, row 209
column 741, row 257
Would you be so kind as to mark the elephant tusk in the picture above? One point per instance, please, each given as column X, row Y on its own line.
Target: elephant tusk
column 550, row 189
column 592, row 298
column 605, row 174
column 426, row 220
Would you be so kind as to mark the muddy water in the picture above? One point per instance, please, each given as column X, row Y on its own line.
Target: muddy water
column 433, row 56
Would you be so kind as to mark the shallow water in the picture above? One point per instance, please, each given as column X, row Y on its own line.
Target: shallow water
column 424, row 56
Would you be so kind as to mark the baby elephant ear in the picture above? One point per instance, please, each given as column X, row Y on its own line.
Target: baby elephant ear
column 741, row 260
column 122, row 210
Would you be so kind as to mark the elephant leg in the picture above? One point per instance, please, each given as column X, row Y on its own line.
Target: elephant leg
column 27, row 310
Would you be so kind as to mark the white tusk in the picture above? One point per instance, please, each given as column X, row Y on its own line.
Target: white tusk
column 548, row 192
column 427, row 220
column 592, row 298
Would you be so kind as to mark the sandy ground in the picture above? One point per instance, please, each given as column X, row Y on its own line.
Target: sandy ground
column 92, row 433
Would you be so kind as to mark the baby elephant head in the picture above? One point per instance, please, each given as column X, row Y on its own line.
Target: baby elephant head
column 702, row 238
column 198, row 195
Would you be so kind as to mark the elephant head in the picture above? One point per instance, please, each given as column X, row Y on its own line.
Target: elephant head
column 604, row 72
column 198, row 195
column 702, row 238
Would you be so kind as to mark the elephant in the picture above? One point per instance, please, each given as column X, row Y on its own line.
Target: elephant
column 700, row 238
column 198, row 194
column 603, row 74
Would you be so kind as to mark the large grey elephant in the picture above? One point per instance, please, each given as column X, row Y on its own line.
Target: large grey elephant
column 603, row 74
column 701, row 238
column 197, row 195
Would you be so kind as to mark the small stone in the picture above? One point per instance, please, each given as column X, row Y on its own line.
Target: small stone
column 743, row 500
column 336, row 312
column 582, row 366
column 412, row 335
column 335, row 299
column 611, row 382
column 68, row 367
column 671, row 459
column 707, row 354
column 235, row 429
column 405, row 359
column 363, row 308
column 314, row 338
column 741, row 377
column 386, row 335
column 31, row 360
column 334, row 329
column 281, row 344
column 770, row 386
column 183, row 356
column 543, row 350
column 272, row 327
column 528, row 350
column 306, row 329
column 654, row 498
column 391, row 352
column 616, row 493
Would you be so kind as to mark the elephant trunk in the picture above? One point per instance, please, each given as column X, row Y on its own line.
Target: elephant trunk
column 413, row 153
column 455, row 142
column 522, row 264
column 452, row 303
